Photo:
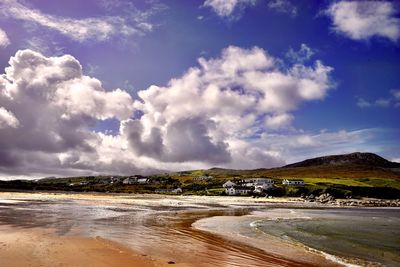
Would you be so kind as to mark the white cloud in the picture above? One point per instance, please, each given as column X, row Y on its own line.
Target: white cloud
column 396, row 94
column 300, row 145
column 393, row 100
column 361, row 20
column 278, row 121
column 47, row 108
column 205, row 114
column 229, row 111
column 98, row 29
column 7, row 119
column 304, row 54
column 283, row 6
column 4, row 41
column 362, row 103
column 225, row 8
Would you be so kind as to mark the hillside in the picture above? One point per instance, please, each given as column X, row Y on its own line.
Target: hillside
column 356, row 174
column 357, row 158
column 354, row 165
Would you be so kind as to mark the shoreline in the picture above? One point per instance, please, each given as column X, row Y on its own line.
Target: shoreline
column 183, row 211
column 301, row 202
column 274, row 246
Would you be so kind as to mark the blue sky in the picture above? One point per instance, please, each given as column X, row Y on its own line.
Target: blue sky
column 353, row 105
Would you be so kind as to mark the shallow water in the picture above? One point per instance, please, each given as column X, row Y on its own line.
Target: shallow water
column 368, row 234
column 162, row 228
column 365, row 236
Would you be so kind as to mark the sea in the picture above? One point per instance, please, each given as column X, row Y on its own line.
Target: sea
column 351, row 237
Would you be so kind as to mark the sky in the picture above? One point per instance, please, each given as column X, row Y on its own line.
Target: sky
column 128, row 87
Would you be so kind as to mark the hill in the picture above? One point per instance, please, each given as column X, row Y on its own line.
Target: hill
column 357, row 158
column 355, row 165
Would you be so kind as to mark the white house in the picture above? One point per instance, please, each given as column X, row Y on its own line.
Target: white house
column 228, row 184
column 130, row 180
column 293, row 182
column 143, row 181
column 233, row 191
column 177, row 190
column 264, row 182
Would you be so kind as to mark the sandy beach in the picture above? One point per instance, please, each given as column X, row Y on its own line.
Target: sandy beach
column 60, row 229
column 34, row 247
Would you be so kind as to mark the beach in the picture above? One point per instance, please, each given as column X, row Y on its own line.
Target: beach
column 60, row 229
column 22, row 247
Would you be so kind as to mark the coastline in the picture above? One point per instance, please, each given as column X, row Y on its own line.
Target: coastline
column 180, row 212
column 273, row 246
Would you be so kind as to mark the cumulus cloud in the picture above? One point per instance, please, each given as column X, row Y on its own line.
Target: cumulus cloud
column 283, row 6
column 4, row 41
column 228, row 111
column 97, row 29
column 278, row 121
column 209, row 113
column 225, row 8
column 361, row 20
column 47, row 109
column 7, row 119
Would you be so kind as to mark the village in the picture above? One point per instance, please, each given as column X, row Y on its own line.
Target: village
column 204, row 184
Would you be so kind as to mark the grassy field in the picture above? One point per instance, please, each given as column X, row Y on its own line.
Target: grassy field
column 367, row 182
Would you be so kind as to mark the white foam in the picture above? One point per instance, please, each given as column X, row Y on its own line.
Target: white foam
column 10, row 201
column 334, row 258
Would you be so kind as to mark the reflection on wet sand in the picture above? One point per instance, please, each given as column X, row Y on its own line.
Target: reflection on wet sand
column 159, row 230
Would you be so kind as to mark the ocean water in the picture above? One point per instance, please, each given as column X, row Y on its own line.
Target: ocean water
column 371, row 235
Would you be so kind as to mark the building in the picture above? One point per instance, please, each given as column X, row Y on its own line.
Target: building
column 130, row 180
column 164, row 190
column 228, row 184
column 293, row 182
column 236, row 190
column 114, row 180
column 177, row 190
column 266, row 183
column 143, row 180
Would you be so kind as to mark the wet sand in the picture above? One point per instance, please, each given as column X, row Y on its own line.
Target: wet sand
column 45, row 229
column 22, row 247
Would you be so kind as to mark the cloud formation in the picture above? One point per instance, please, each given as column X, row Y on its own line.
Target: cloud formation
column 393, row 100
column 4, row 41
column 47, row 110
column 361, row 20
column 97, row 29
column 226, row 8
column 302, row 55
column 214, row 109
column 233, row 111
column 283, row 6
